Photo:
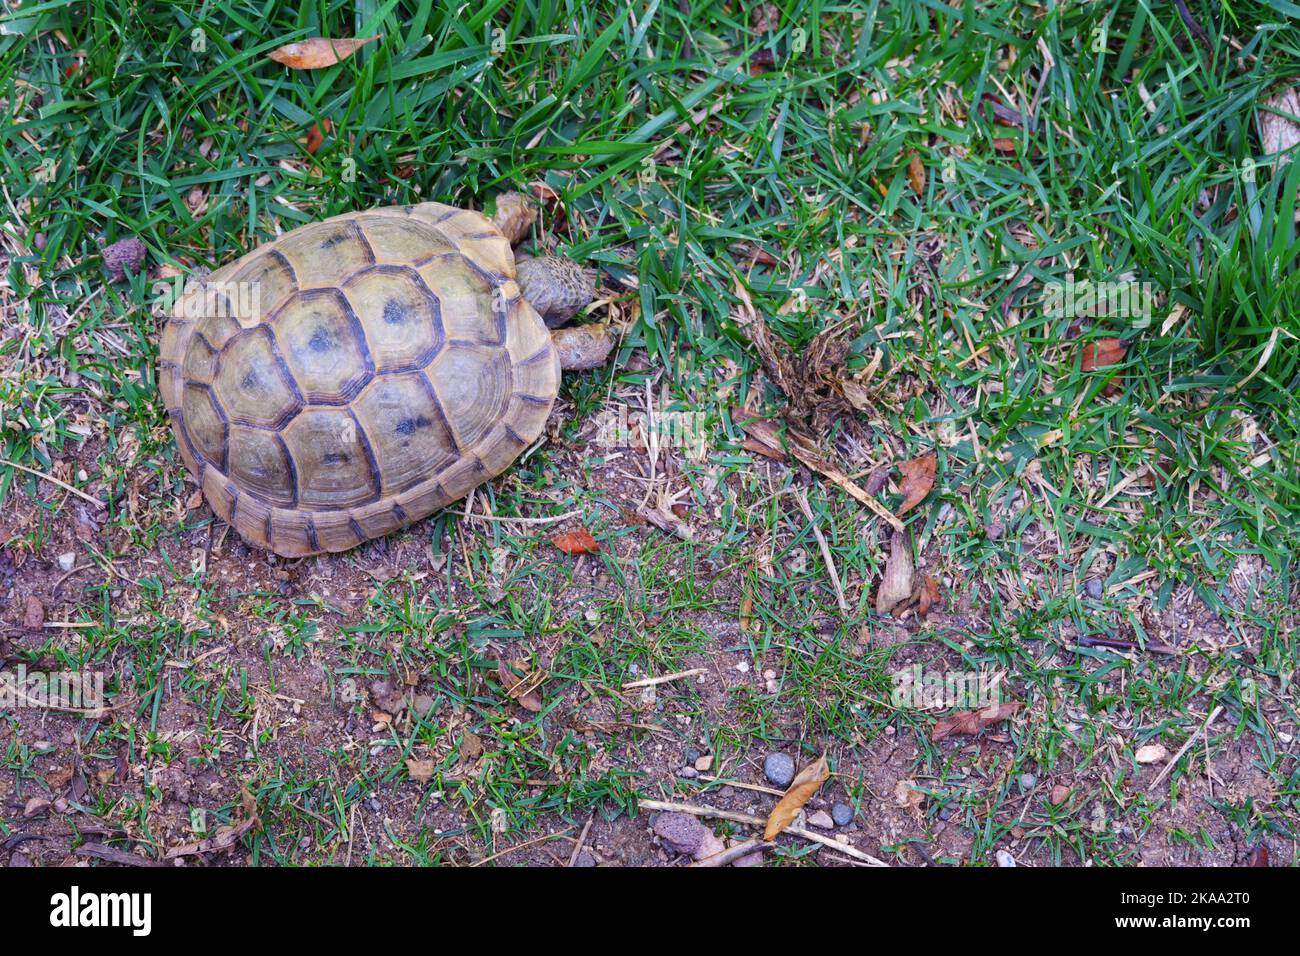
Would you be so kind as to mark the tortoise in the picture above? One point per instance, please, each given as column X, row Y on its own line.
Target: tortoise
column 362, row 372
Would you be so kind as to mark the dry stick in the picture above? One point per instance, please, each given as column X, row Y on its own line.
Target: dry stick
column 52, row 480
column 582, row 838
column 542, row 520
column 752, row 820
column 1204, row 728
column 112, row 855
column 735, row 853
column 741, row 785
column 545, row 838
column 652, row 681
column 800, row 497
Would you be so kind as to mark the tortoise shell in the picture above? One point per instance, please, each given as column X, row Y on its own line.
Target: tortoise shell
column 356, row 375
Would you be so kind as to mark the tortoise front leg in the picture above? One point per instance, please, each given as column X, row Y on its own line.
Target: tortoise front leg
column 583, row 346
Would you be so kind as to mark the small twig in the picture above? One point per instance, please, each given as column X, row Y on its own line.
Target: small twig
column 752, row 820
column 546, row 838
column 800, row 497
column 120, row 857
column 1123, row 644
column 1203, row 729
column 727, row 857
column 664, row 679
column 54, row 481
column 582, row 838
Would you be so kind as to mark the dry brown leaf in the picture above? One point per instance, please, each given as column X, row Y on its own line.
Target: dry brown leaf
column 316, row 135
column 522, row 690
column 576, row 542
column 916, row 174
column 1004, row 145
column 907, row 797
column 804, row 785
column 973, row 721
column 927, row 597
column 918, row 479
column 317, row 52
column 1102, row 352
column 896, row 584
column 471, row 746
column 33, row 613
column 421, row 771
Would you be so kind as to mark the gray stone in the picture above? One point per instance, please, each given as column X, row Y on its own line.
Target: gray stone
column 779, row 769
column 1027, row 781
column 1093, row 589
column 842, row 814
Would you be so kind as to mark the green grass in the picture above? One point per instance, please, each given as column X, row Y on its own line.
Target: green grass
column 672, row 139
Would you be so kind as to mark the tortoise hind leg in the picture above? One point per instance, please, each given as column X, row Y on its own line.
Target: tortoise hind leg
column 583, row 346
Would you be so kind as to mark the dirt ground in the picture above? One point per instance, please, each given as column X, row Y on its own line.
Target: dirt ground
column 136, row 789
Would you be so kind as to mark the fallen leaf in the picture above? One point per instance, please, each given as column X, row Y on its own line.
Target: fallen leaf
column 916, row 174
column 1004, row 145
column 576, row 542
column 896, row 584
column 973, row 721
column 804, row 785
column 317, row 52
column 471, row 746
column 421, row 771
column 316, row 135
column 907, row 797
column 522, row 690
column 1258, row 856
column 1102, row 352
column 33, row 613
column 1151, row 753
column 927, row 597
column 918, row 479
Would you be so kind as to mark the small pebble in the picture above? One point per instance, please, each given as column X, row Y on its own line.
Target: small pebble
column 945, row 813
column 842, row 814
column 584, row 859
column 821, row 820
column 779, row 769
column 688, row 773
column 67, row 561
column 704, row 763
column 1093, row 589
column 693, row 755
column 1027, row 781
column 1005, row 858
